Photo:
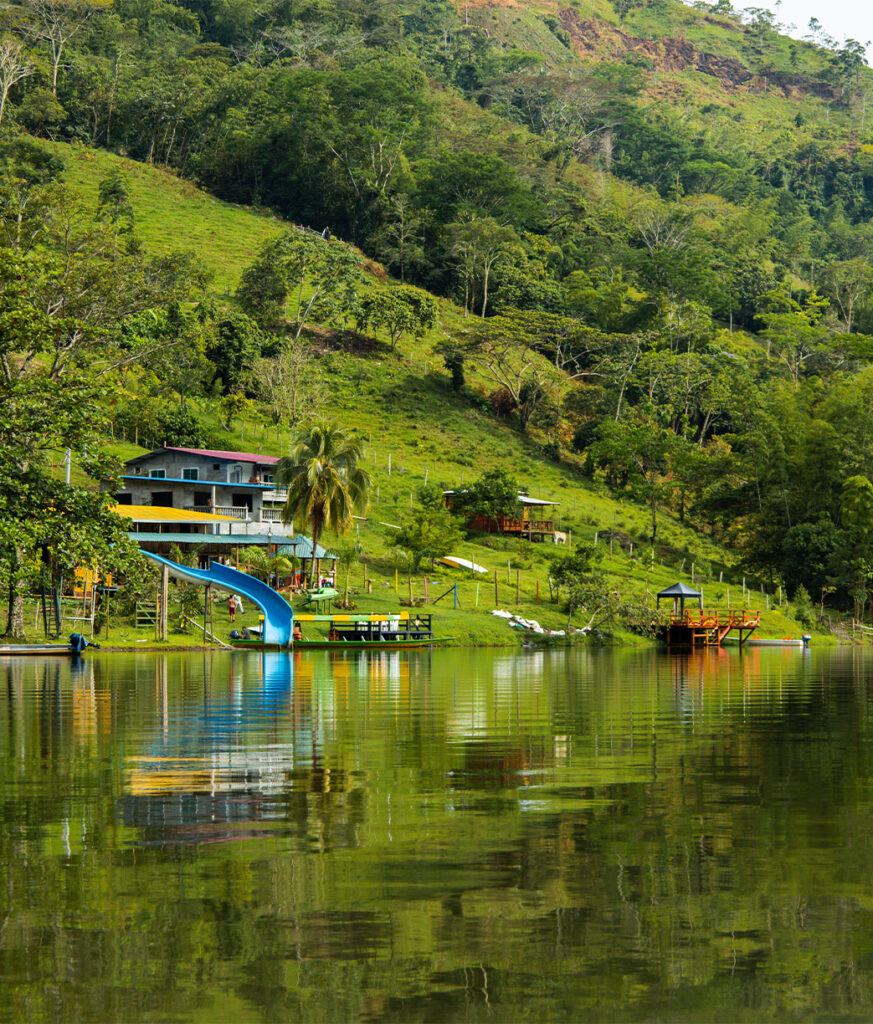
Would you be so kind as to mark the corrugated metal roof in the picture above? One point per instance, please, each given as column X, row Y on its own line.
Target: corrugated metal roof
column 523, row 499
column 164, row 514
column 302, row 547
column 211, row 453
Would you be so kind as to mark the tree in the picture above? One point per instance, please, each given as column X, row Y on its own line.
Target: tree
column 326, row 483
column 856, row 519
column 427, row 532
column 638, row 449
column 14, row 67
column 493, row 496
column 113, row 204
column 399, row 241
column 57, row 23
column 234, row 346
column 533, row 356
column 398, row 311
column 480, row 246
column 287, row 265
column 583, row 587
column 849, row 281
column 289, row 383
column 348, row 552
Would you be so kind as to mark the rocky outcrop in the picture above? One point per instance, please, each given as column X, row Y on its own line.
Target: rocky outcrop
column 598, row 39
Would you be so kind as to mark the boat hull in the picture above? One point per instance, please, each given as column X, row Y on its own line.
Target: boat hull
column 765, row 641
column 31, row 650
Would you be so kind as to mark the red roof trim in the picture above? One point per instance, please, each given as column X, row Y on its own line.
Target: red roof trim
column 209, row 453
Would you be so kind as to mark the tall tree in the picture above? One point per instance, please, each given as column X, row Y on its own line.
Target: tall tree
column 318, row 274
column 325, row 480
column 14, row 67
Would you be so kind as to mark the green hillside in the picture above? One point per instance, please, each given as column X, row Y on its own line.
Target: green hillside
column 402, row 405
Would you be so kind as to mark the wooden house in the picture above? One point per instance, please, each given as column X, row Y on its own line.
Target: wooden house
column 536, row 522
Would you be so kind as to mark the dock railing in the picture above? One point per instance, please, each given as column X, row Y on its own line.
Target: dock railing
column 744, row 618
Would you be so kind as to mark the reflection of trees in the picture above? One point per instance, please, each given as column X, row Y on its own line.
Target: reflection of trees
column 575, row 833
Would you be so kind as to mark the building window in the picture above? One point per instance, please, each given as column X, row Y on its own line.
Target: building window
column 158, row 474
column 235, row 475
column 267, row 478
column 191, row 473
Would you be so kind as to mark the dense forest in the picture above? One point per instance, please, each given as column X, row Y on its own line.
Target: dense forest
column 653, row 218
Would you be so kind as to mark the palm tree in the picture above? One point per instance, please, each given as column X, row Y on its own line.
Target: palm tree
column 326, row 484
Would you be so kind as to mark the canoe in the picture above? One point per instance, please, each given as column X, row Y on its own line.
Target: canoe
column 461, row 563
column 770, row 641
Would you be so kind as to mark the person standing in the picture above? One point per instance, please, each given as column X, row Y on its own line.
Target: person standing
column 231, row 606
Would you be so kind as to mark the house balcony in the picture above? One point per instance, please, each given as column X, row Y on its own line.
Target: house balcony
column 276, row 494
column 236, row 511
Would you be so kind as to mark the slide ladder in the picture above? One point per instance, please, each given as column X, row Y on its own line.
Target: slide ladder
column 278, row 615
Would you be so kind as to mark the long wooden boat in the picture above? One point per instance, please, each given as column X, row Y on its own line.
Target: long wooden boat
column 772, row 641
column 41, row 650
column 381, row 631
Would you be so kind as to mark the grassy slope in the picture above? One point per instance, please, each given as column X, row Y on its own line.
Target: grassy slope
column 402, row 405
column 171, row 214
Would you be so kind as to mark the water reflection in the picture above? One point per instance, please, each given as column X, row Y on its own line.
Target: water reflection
column 416, row 835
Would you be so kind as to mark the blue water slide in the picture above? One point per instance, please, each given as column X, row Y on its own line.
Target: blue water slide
column 278, row 616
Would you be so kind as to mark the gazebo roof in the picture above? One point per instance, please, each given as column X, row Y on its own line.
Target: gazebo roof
column 680, row 590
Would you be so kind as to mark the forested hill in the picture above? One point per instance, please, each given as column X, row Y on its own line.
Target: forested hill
column 653, row 220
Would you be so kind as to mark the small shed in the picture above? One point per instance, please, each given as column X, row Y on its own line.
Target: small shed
column 680, row 592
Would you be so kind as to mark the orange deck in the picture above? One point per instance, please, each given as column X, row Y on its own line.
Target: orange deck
column 706, row 628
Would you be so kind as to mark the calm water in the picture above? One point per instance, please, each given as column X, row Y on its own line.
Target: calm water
column 446, row 836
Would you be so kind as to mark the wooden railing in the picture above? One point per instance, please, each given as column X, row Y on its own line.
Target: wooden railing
column 712, row 619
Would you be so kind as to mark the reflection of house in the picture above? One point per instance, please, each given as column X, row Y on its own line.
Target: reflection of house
column 536, row 521
column 237, row 484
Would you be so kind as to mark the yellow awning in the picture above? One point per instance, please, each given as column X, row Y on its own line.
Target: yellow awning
column 162, row 514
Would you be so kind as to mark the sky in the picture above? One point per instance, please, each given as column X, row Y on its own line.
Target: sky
column 841, row 19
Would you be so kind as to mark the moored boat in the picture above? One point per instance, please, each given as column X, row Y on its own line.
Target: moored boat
column 774, row 641
column 76, row 645
column 378, row 631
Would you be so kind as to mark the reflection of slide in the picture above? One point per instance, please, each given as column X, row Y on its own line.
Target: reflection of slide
column 278, row 616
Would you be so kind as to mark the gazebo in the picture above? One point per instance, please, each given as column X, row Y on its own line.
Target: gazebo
column 679, row 592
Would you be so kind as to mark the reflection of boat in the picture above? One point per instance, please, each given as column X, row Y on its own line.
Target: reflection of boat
column 77, row 644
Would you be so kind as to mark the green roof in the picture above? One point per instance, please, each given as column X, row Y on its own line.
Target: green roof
column 210, row 539
column 301, row 546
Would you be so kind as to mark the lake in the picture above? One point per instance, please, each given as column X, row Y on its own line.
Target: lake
column 456, row 835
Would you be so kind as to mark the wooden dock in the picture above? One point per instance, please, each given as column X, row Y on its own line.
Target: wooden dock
column 706, row 628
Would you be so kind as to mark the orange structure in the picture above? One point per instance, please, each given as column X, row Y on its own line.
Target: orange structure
column 700, row 628
column 707, row 628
